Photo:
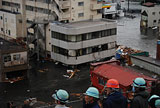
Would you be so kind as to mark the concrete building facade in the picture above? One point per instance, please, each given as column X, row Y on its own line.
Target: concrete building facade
column 60, row 10
column 150, row 18
column 13, row 61
column 10, row 24
column 80, row 42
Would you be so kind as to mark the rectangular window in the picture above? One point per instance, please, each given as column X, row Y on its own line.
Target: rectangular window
column 9, row 32
column 111, row 45
column 153, row 13
column 101, row 81
column 78, row 38
column 7, row 58
column 80, row 3
column 16, row 57
column 99, row 11
column 1, row 29
column 1, row 17
column 113, row 31
column 80, row 14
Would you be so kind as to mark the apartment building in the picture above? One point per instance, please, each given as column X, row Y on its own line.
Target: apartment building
column 150, row 18
column 80, row 42
column 61, row 10
column 10, row 24
column 13, row 61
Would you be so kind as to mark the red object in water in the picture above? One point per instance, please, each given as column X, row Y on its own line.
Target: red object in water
column 111, row 70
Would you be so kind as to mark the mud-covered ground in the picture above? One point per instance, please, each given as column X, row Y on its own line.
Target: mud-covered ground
column 43, row 84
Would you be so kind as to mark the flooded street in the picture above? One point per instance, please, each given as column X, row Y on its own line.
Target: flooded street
column 129, row 35
column 43, row 84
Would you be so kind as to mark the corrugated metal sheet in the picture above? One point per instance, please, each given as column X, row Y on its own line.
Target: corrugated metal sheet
column 124, row 75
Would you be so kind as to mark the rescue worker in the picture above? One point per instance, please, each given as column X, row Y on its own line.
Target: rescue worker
column 154, row 101
column 114, row 99
column 61, row 98
column 91, row 98
column 140, row 95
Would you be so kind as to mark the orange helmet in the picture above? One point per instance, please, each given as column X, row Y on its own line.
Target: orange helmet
column 112, row 83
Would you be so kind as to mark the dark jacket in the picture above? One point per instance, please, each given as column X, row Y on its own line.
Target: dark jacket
column 92, row 105
column 140, row 100
column 115, row 100
column 152, row 102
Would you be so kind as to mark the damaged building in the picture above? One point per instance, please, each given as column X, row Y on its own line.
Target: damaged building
column 13, row 61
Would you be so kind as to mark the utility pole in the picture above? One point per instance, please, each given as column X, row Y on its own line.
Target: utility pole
column 128, row 5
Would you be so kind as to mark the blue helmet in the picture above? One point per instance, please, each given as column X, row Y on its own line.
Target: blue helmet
column 139, row 82
column 93, row 92
column 61, row 95
column 157, row 101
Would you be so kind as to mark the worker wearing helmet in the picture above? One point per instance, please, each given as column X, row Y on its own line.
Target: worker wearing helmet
column 91, row 98
column 154, row 101
column 114, row 99
column 61, row 98
column 141, row 96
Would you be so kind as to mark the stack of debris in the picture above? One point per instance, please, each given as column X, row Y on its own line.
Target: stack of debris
column 125, row 53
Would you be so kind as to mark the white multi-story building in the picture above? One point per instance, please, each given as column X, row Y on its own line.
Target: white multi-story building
column 10, row 24
column 80, row 42
column 61, row 10
column 150, row 18
column 79, row 36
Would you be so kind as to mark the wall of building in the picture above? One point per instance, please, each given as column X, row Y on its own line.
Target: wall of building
column 84, row 58
column 153, row 15
column 48, row 38
column 86, row 7
column 18, row 58
column 8, row 24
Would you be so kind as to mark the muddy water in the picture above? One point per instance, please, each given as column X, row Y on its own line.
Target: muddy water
column 129, row 35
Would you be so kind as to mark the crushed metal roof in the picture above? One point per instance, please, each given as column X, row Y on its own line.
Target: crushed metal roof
column 124, row 75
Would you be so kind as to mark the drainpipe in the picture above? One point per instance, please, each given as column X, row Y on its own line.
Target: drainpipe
column 158, row 50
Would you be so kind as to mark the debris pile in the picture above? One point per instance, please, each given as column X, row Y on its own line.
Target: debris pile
column 125, row 53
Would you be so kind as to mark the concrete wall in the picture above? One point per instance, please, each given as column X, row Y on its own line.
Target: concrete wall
column 152, row 17
column 82, row 30
column 9, row 23
column 89, row 9
column 84, row 58
column 21, row 61
column 83, row 44
column 146, row 65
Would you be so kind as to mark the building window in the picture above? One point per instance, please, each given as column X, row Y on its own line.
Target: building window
column 159, row 21
column 80, row 14
column 9, row 32
column 99, row 11
column 7, row 58
column 1, row 29
column 113, row 31
column 80, row 3
column 153, row 13
column 154, row 21
column 16, row 57
column 111, row 45
column 5, row 19
column 1, row 17
column 101, row 81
